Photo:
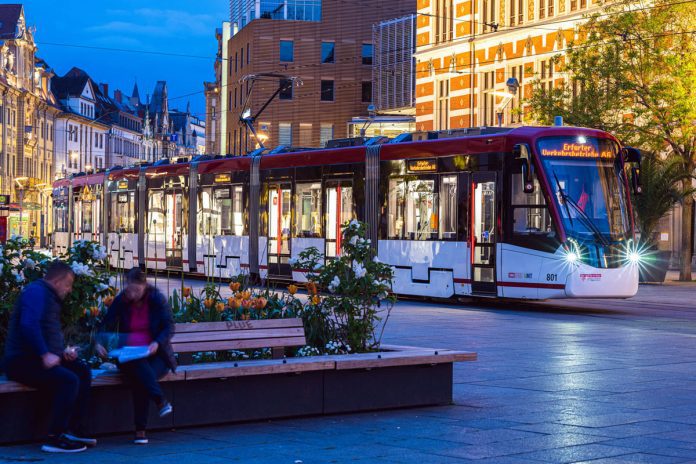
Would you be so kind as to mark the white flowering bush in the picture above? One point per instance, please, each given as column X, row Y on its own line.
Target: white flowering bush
column 21, row 264
column 350, row 300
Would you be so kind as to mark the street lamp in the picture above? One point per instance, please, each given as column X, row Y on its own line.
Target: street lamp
column 371, row 114
column 513, row 85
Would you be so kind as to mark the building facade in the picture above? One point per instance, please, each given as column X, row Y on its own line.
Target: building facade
column 326, row 47
column 468, row 49
column 212, row 100
column 28, row 114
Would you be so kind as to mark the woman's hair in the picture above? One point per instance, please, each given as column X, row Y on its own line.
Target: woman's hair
column 136, row 276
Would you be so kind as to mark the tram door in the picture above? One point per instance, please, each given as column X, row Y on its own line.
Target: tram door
column 339, row 210
column 279, row 217
column 174, row 228
column 483, row 233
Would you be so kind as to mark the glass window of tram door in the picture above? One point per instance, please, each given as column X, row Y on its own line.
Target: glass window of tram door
column 483, row 232
column 221, row 210
column 279, row 203
column 339, row 211
column 165, row 223
column 122, row 212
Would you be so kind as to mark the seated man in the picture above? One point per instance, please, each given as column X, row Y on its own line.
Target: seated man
column 35, row 355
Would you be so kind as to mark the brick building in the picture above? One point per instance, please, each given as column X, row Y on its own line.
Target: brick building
column 326, row 45
column 468, row 49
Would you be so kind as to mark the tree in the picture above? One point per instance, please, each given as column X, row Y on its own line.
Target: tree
column 634, row 74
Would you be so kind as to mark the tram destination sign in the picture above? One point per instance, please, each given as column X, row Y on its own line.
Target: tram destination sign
column 575, row 150
column 222, row 178
column 122, row 184
column 422, row 165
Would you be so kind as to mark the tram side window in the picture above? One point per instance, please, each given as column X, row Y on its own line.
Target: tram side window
column 531, row 220
column 60, row 220
column 155, row 214
column 448, row 207
column 423, row 208
column 308, row 210
column 86, row 217
column 210, row 216
column 122, row 212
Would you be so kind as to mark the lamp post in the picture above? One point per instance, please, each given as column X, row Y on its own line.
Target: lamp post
column 513, row 85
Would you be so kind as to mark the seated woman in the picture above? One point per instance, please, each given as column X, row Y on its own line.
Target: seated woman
column 142, row 317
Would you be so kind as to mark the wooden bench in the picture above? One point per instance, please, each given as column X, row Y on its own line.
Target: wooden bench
column 276, row 334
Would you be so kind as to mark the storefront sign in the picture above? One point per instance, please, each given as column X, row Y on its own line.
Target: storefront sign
column 576, row 150
column 422, row 165
column 222, row 178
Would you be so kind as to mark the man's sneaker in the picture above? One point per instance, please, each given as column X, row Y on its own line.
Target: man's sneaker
column 82, row 440
column 62, row 445
column 166, row 409
column 141, row 440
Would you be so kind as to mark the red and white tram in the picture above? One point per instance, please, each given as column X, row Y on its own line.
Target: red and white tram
column 513, row 213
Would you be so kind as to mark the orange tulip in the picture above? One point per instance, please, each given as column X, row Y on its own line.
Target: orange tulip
column 94, row 311
column 234, row 286
column 246, row 304
column 230, row 302
column 246, row 294
column 208, row 303
column 259, row 303
column 237, row 302
column 108, row 300
column 315, row 300
column 312, row 288
column 220, row 307
column 186, row 292
column 292, row 289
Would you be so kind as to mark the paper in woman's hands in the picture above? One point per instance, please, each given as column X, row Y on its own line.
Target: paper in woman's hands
column 129, row 353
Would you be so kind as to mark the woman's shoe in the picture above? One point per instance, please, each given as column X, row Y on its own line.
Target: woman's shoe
column 165, row 409
column 141, row 439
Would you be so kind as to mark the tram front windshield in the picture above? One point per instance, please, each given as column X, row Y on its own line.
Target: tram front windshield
column 587, row 187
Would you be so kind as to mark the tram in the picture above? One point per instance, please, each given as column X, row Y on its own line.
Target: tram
column 529, row 212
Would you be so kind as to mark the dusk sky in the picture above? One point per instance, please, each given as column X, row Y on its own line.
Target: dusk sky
column 172, row 27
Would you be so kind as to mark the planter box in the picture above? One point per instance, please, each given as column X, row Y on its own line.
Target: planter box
column 231, row 392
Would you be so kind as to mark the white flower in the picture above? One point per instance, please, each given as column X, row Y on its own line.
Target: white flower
column 292, row 261
column 98, row 252
column 102, row 287
column 112, row 281
column 382, row 295
column 29, row 263
column 353, row 240
column 317, row 266
column 81, row 269
column 354, row 223
column 359, row 270
column 376, row 260
column 335, row 283
column 19, row 276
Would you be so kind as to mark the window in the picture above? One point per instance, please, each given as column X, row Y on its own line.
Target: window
column 325, row 134
column 308, row 210
column 546, row 8
column 531, row 220
column 241, row 60
column 488, row 99
column 86, row 222
column 122, row 212
column 248, row 53
column 236, row 61
column 546, row 75
column 327, row 90
column 338, row 212
column 443, row 104
column 488, row 8
column 96, row 140
column 287, row 50
column 366, row 94
column 412, row 210
column 286, row 91
column 60, row 216
column 444, row 20
column 367, row 54
column 305, row 135
column 573, row 5
column 222, row 211
column 448, row 207
column 516, row 12
column 284, row 134
column 327, row 52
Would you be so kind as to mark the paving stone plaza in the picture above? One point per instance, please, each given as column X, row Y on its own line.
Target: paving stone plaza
column 579, row 381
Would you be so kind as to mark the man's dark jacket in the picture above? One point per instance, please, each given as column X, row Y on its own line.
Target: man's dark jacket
column 118, row 318
column 34, row 328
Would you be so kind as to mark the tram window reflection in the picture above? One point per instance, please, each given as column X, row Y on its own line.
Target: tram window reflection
column 448, row 207
column 155, row 213
column 86, row 226
column 308, row 208
column 412, row 209
column 339, row 211
column 122, row 212
column 60, row 220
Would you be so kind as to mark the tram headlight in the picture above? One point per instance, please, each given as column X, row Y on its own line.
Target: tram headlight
column 634, row 257
column 571, row 257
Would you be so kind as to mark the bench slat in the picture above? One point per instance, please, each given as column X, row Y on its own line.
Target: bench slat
column 401, row 358
column 238, row 325
column 237, row 335
column 246, row 368
column 238, row 344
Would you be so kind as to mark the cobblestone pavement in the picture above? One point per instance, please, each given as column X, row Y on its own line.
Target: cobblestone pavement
column 572, row 381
